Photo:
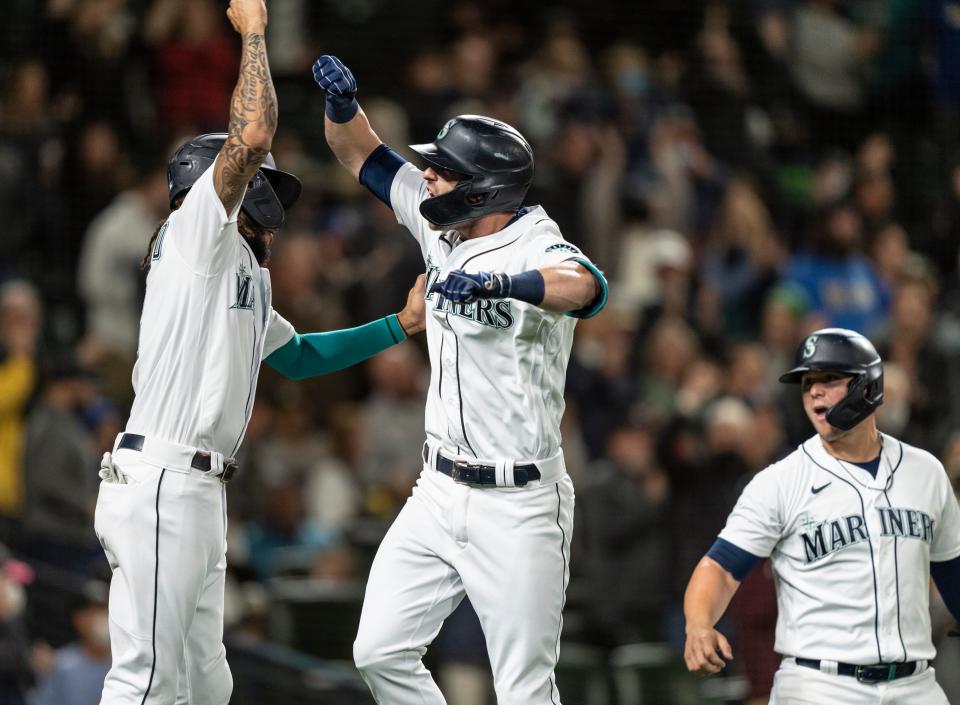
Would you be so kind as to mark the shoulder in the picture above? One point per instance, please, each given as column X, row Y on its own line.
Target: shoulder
column 537, row 225
column 903, row 455
column 784, row 470
column 781, row 476
column 542, row 236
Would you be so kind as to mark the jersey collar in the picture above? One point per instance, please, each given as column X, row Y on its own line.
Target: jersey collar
column 890, row 453
column 514, row 228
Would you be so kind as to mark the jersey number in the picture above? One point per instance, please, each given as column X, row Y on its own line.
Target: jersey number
column 158, row 245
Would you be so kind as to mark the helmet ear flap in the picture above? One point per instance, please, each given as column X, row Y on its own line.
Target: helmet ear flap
column 863, row 397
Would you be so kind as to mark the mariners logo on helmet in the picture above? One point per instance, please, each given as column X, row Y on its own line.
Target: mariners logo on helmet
column 445, row 129
column 810, row 346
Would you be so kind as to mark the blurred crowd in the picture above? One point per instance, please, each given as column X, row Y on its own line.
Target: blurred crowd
column 744, row 171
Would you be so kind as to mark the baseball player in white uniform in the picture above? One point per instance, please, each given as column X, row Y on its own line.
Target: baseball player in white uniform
column 207, row 323
column 492, row 511
column 854, row 522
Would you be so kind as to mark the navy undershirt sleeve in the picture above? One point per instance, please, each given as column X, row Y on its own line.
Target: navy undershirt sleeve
column 378, row 171
column 734, row 559
column 946, row 574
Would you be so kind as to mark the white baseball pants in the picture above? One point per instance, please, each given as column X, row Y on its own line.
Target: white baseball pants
column 508, row 549
column 799, row 685
column 164, row 533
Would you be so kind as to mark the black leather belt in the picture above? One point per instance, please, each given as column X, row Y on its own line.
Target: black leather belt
column 468, row 473
column 199, row 461
column 879, row 673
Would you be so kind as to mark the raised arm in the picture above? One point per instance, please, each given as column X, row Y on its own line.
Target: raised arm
column 253, row 107
column 708, row 594
column 346, row 127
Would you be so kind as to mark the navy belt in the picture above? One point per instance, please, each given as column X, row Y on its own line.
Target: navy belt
column 199, row 461
column 467, row 473
column 867, row 674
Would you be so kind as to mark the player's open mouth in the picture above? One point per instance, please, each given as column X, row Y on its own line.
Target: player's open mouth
column 821, row 411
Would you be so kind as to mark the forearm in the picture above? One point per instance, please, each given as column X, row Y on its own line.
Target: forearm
column 351, row 142
column 253, row 121
column 568, row 286
column 313, row 354
column 708, row 594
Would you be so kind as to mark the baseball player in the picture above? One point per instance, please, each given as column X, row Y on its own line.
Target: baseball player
column 492, row 511
column 206, row 325
column 854, row 523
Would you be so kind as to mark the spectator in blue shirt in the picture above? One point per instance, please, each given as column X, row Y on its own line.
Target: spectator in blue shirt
column 840, row 283
column 76, row 677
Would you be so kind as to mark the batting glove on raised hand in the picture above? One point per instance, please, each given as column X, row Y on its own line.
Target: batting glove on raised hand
column 340, row 87
column 466, row 288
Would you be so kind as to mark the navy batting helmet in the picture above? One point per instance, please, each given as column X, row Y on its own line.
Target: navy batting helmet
column 268, row 195
column 849, row 353
column 494, row 161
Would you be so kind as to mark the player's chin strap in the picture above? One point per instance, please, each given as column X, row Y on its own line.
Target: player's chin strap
column 504, row 469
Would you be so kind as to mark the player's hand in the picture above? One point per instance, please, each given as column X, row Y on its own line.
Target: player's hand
column 706, row 651
column 248, row 15
column 467, row 287
column 339, row 85
column 413, row 317
column 333, row 77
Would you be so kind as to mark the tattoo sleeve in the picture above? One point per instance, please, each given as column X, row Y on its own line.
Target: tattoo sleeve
column 253, row 122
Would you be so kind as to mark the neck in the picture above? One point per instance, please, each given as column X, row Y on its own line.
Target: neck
column 858, row 445
column 487, row 225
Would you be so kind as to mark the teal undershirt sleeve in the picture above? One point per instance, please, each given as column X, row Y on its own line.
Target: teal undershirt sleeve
column 311, row 354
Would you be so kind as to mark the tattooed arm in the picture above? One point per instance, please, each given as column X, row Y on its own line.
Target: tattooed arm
column 253, row 107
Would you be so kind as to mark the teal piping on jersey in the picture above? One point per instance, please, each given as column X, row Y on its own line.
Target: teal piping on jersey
column 595, row 306
column 311, row 354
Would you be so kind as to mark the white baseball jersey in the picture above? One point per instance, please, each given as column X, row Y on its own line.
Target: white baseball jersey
column 850, row 553
column 498, row 369
column 206, row 324
column 498, row 366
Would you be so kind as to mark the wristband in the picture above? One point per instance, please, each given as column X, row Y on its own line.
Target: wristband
column 526, row 286
column 341, row 108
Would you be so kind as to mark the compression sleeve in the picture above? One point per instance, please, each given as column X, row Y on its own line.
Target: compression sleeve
column 734, row 559
column 378, row 171
column 311, row 354
column 946, row 574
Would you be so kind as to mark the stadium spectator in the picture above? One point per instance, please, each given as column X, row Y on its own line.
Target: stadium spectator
column 21, row 317
column 840, row 283
column 110, row 279
column 390, row 423
column 61, row 471
column 183, row 35
column 78, row 669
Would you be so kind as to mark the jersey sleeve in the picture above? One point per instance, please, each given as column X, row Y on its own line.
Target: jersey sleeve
column 199, row 235
column 547, row 248
column 946, row 537
column 756, row 523
column 400, row 185
column 279, row 333
column 407, row 191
